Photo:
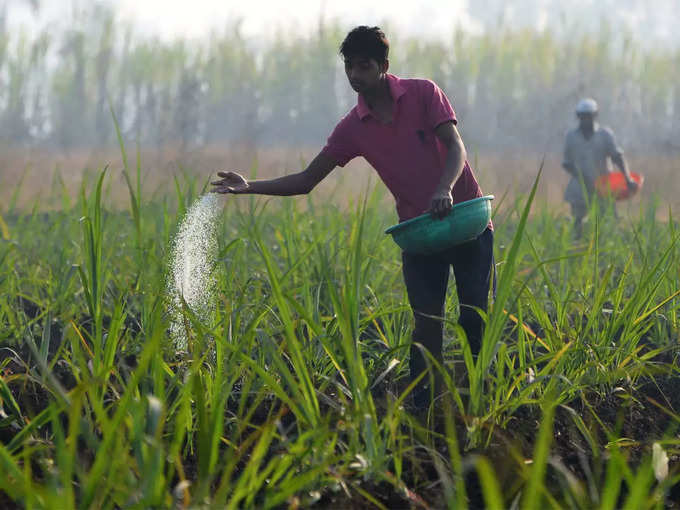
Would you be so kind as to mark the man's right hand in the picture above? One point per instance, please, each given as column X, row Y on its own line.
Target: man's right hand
column 230, row 182
column 633, row 186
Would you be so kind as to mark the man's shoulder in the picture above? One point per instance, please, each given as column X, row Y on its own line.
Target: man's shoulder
column 605, row 130
column 572, row 134
column 347, row 126
column 416, row 83
column 606, row 136
column 349, row 118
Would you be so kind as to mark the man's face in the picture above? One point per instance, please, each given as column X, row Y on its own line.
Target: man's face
column 586, row 120
column 364, row 73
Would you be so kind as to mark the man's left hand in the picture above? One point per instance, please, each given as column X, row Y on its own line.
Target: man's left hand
column 441, row 204
column 632, row 185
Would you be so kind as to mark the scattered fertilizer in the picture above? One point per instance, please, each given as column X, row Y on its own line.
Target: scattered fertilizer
column 191, row 272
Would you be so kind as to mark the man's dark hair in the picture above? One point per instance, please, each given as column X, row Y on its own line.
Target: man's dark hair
column 367, row 42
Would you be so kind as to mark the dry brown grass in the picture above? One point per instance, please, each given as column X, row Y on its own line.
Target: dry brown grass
column 498, row 173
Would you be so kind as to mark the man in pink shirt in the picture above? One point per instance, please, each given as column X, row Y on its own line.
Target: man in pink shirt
column 406, row 130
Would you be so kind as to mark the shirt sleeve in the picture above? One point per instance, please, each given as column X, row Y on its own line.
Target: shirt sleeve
column 340, row 144
column 437, row 106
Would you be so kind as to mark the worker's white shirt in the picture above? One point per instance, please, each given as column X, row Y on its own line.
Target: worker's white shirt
column 590, row 157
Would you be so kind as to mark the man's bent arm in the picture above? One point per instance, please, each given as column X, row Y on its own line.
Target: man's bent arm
column 455, row 158
column 295, row 184
column 620, row 161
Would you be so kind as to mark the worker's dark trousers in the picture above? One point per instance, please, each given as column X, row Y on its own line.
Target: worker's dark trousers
column 426, row 278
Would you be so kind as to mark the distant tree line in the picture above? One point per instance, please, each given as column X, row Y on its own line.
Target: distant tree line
column 512, row 89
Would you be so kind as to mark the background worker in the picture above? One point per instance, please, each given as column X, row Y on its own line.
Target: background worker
column 589, row 152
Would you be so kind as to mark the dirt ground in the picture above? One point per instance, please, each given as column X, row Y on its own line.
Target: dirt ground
column 38, row 171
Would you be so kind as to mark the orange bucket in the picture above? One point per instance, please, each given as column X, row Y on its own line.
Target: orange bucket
column 614, row 184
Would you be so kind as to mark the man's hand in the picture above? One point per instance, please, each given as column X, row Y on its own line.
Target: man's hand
column 570, row 168
column 441, row 204
column 633, row 186
column 231, row 182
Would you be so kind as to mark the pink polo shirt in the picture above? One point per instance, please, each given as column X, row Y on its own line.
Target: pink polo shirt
column 407, row 155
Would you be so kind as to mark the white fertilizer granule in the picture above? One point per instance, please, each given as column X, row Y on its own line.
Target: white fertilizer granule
column 191, row 274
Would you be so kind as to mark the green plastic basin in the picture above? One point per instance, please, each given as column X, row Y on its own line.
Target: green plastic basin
column 425, row 234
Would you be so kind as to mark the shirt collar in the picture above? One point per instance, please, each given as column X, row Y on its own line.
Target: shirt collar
column 596, row 128
column 396, row 91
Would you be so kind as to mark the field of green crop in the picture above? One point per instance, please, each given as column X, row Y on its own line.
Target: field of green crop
column 296, row 393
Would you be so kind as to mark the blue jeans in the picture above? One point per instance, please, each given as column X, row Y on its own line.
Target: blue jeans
column 427, row 277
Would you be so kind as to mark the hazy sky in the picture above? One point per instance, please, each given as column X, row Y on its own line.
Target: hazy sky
column 653, row 21
column 262, row 15
column 193, row 18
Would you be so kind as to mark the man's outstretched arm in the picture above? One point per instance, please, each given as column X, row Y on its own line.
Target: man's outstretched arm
column 300, row 183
